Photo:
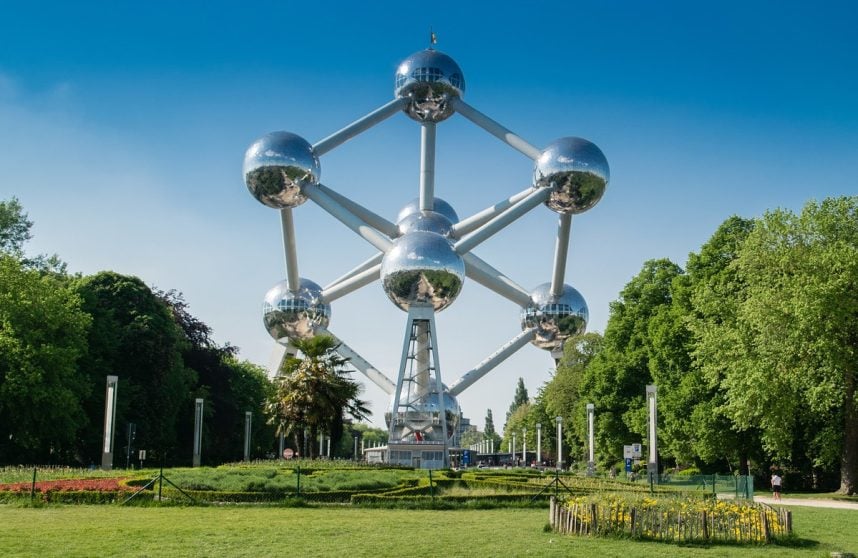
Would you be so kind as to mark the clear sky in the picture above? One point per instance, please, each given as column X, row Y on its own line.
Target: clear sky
column 123, row 128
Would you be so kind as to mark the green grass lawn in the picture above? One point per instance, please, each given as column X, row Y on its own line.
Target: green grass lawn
column 353, row 532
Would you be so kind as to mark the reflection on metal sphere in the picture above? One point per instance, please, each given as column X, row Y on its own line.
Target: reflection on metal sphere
column 556, row 318
column 438, row 206
column 429, row 79
column 430, row 221
column 422, row 422
column 422, row 268
column 277, row 165
column 577, row 173
column 288, row 315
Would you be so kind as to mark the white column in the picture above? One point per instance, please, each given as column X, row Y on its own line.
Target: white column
column 652, row 405
column 559, row 421
column 591, row 460
column 109, row 422
column 539, row 443
column 513, row 448
column 248, row 418
column 198, row 431
column 524, row 446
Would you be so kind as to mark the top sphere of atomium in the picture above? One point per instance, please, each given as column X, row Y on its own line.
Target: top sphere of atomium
column 277, row 166
column 556, row 318
column 429, row 79
column 422, row 269
column 577, row 173
column 294, row 315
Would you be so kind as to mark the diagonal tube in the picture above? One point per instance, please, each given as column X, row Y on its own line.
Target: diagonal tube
column 349, row 219
column 287, row 222
column 493, row 360
column 358, row 126
column 494, row 280
column 373, row 219
column 561, row 249
column 479, row 219
column 360, row 268
column 362, row 365
column 353, row 283
column 495, row 129
column 488, row 230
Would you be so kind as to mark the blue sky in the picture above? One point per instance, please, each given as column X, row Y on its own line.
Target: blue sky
column 123, row 127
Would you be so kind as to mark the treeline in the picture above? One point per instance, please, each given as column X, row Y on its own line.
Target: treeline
column 60, row 337
column 753, row 347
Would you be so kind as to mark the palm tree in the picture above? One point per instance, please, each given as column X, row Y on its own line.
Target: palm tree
column 314, row 394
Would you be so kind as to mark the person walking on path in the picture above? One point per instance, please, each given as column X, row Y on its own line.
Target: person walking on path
column 777, row 481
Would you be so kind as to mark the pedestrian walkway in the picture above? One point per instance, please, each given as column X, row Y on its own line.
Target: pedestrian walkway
column 813, row 503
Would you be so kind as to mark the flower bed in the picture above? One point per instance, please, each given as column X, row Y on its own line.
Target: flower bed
column 69, row 485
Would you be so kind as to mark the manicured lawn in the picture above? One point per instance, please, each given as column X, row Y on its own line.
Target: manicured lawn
column 351, row 532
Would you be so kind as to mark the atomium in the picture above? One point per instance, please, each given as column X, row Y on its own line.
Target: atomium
column 429, row 79
column 555, row 318
column 294, row 315
column 425, row 254
column 277, row 166
column 577, row 173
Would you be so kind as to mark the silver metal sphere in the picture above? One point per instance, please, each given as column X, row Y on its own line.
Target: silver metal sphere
column 424, row 417
column 288, row 315
column 422, row 268
column 429, row 79
column 577, row 173
column 430, row 221
column 438, row 206
column 556, row 318
column 277, row 166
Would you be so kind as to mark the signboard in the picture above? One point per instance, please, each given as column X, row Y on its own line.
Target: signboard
column 288, row 453
column 632, row 451
column 636, row 451
column 628, row 464
column 466, row 457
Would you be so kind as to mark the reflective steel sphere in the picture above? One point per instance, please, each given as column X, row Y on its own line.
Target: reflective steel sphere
column 298, row 315
column 277, row 165
column 429, row 79
column 577, row 173
column 422, row 268
column 424, row 418
column 430, row 221
column 438, row 206
column 556, row 318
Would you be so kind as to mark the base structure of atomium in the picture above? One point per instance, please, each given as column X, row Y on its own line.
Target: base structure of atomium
column 424, row 257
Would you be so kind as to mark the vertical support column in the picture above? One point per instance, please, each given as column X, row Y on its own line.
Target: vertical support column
column 524, row 446
column 539, row 443
column 281, row 446
column 293, row 280
column 421, row 358
column 198, row 431
column 591, row 453
column 513, row 449
column 559, row 421
column 427, row 166
column 109, row 423
column 248, row 418
column 652, row 405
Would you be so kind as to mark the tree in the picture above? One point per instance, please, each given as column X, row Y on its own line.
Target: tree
column 789, row 360
column 616, row 377
column 490, row 432
column 313, row 394
column 42, row 339
column 133, row 336
column 14, row 227
column 519, row 399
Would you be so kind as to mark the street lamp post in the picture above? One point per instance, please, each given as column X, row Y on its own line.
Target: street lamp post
column 591, row 461
column 559, row 421
column 652, row 403
column 524, row 446
column 539, row 442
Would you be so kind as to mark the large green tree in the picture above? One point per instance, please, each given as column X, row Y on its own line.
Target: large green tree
column 134, row 337
column 42, row 339
column 14, row 227
column 789, row 361
column 314, row 394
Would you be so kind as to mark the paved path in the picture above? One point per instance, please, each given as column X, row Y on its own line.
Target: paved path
column 807, row 502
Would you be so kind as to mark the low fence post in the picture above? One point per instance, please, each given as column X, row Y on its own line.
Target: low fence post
column 33, row 487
